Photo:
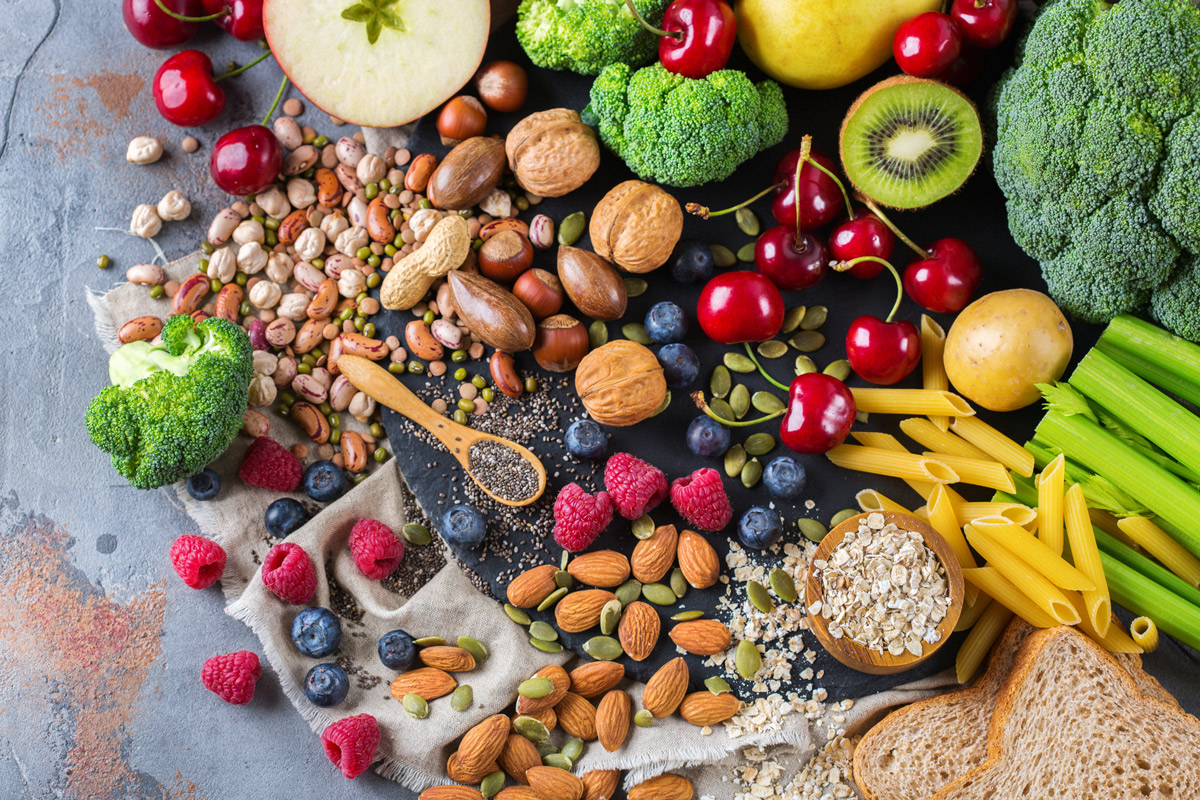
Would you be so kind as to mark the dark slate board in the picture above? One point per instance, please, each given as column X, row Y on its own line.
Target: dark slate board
column 975, row 214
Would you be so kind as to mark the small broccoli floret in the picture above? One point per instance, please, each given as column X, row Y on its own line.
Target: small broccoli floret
column 684, row 132
column 585, row 36
column 1177, row 304
column 1176, row 198
column 175, row 406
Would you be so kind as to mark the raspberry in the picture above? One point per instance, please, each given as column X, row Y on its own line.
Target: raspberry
column 198, row 561
column 579, row 517
column 232, row 676
column 351, row 743
column 376, row 550
column 700, row 498
column 636, row 486
column 289, row 573
column 269, row 465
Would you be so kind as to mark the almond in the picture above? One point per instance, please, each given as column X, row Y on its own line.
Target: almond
column 558, row 676
column 483, row 744
column 654, row 556
column 449, row 659
column 701, row 637
column 577, row 716
column 666, row 688
column 518, row 793
column 450, row 792
column 706, row 708
column 638, row 630
column 547, row 718
column 518, row 756
column 698, row 560
column 601, row 784
column 428, row 682
column 603, row 568
column 612, row 719
column 552, row 782
column 596, row 677
column 667, row 786
column 578, row 611
column 455, row 771
column 532, row 586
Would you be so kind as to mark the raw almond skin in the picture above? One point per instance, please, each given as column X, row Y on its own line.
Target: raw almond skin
column 602, row 568
column 532, row 586
column 701, row 637
column 666, row 688
column 705, row 708
column 698, row 560
column 601, row 784
column 653, row 557
column 577, row 716
column 612, row 719
column 596, row 677
column 667, row 786
column 483, row 744
column 552, row 782
column 455, row 771
column 529, row 706
column 450, row 659
column 450, row 792
column 638, row 630
column 518, row 756
column 579, row 611
column 429, row 682
column 518, row 793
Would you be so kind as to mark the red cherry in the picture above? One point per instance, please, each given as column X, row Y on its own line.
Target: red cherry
column 965, row 70
column 707, row 31
column 820, row 412
column 790, row 264
column 820, row 196
column 246, row 160
column 244, row 21
column 984, row 23
column 927, row 44
column 152, row 27
column 185, row 92
column 740, row 306
column 865, row 235
column 883, row 352
column 946, row 281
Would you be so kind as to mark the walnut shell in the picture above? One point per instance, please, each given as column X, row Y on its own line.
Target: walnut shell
column 620, row 384
column 636, row 226
column 552, row 152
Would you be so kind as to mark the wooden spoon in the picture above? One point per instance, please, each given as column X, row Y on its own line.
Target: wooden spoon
column 378, row 383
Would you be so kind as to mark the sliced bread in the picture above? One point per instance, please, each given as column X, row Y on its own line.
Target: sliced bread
column 1071, row 723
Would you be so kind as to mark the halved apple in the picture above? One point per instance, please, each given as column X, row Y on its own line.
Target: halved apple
column 324, row 47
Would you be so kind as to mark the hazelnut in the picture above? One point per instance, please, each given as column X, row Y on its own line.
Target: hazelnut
column 560, row 344
column 502, row 85
column 505, row 256
column 540, row 291
column 461, row 118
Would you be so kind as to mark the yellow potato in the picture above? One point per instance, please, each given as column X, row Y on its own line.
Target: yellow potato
column 1003, row 344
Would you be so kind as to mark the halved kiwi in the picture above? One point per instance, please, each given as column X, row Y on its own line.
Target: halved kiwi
column 908, row 142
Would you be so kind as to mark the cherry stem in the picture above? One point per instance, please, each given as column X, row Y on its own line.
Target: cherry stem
column 242, row 69
column 805, row 153
column 877, row 211
column 698, row 399
column 704, row 213
column 275, row 104
column 843, row 266
column 840, row 185
column 225, row 12
column 763, row 371
column 676, row 35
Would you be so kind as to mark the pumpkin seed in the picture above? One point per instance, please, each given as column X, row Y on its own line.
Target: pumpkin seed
column 767, row 402
column 738, row 362
column 747, row 222
column 783, row 585
column 571, row 228
column 666, row 402
column 862, row 417
column 805, row 365
column 679, row 584
column 563, row 579
column 751, row 473
column 635, row 287
column 684, row 616
column 793, row 318
column 635, row 332
column 474, row 647
column 721, row 409
column 610, row 615
column 554, row 597
column 546, row 647
column 517, row 615
column 747, row 659
column 812, row 530
column 603, row 648
column 772, row 348
column 643, row 527
column 722, row 255
column 416, row 533
column 717, row 685
column 735, row 459
column 758, row 597
column 546, row 749
column 739, row 400
column 758, row 444
column 839, row 369
column 643, row 718
column 842, row 516
column 573, row 749
column 597, row 334
column 720, row 383
column 429, row 641
column 492, row 784
column 814, row 318
column 629, row 591
column 807, row 341
column 544, row 631
column 531, row 728
column 462, row 698
column 558, row 760
column 564, row 560
column 745, row 253
column 659, row 593
column 536, row 688
column 415, row 706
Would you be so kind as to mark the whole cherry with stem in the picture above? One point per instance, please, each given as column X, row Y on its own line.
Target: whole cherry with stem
column 792, row 258
column 927, row 44
column 153, row 25
column 241, row 19
column 984, row 23
column 697, row 36
column 882, row 351
column 247, row 160
column 185, row 91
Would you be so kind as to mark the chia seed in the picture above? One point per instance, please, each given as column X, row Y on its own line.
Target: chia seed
column 502, row 470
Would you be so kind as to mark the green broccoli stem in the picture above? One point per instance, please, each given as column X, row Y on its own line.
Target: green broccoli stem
column 844, row 266
column 762, row 370
column 676, row 35
column 698, row 399
column 877, row 211
column 226, row 11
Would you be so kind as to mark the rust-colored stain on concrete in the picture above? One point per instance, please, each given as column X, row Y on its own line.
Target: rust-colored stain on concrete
column 73, row 121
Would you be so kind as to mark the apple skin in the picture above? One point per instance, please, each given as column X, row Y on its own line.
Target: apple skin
column 822, row 44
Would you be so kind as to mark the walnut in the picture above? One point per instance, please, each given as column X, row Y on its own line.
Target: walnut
column 636, row 226
column 552, row 152
column 621, row 383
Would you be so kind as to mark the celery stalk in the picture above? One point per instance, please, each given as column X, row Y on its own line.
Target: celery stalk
column 1170, row 612
column 1164, row 359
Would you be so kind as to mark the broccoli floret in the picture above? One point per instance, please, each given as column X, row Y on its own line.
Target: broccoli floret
column 1176, row 198
column 174, row 406
column 585, row 36
column 684, row 132
column 1177, row 304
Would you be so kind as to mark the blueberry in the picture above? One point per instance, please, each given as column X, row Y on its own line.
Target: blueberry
column 665, row 323
column 204, row 485
column 397, row 651
column 680, row 365
column 326, row 685
column 691, row 262
column 707, row 438
column 759, row 528
column 463, row 527
column 325, row 481
column 585, row 439
column 316, row 632
column 784, row 478
column 284, row 517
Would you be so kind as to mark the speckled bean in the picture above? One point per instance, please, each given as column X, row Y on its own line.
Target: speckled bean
column 292, row 226
column 356, row 344
column 348, row 179
column 191, row 292
column 421, row 341
column 229, row 300
column 309, row 336
column 446, row 332
column 257, row 331
column 326, row 299
column 285, row 370
column 350, row 151
column 419, row 171
column 309, row 388
column 281, row 332
column 222, row 226
column 255, row 423
column 139, row 328
column 145, row 274
column 310, row 418
column 329, row 190
column 341, row 392
column 354, row 451
column 300, row 159
column 287, row 131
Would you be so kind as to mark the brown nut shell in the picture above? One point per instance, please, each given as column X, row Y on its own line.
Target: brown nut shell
column 468, row 174
column 636, row 226
column 491, row 312
column 560, row 344
column 541, row 292
column 620, row 383
column 505, row 256
column 595, row 288
column 552, row 152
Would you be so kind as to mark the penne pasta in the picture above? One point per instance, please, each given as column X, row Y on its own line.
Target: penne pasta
column 976, row 472
column 1108, row 523
column 980, row 640
column 995, row 444
column 972, row 610
column 1050, row 504
column 1113, row 638
column 1027, row 580
column 1027, row 547
column 1145, row 633
column 919, row 402
column 885, row 441
column 926, row 434
column 1158, row 543
column 1015, row 513
column 878, row 461
column 943, row 520
column 997, row 587
column 873, row 500
column 1086, row 556
column 933, row 365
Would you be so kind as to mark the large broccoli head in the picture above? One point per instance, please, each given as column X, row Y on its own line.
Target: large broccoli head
column 1098, row 150
column 684, row 132
column 585, row 36
column 174, row 406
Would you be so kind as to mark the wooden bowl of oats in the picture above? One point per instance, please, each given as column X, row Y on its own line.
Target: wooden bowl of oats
column 884, row 592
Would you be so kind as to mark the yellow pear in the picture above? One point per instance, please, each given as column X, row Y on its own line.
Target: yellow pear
column 822, row 44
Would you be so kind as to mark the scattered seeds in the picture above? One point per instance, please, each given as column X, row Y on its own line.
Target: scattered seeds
column 659, row 593
column 554, row 597
column 721, row 409
column 604, row 648
column 643, row 718
column 747, row 222
column 751, row 473
column 492, row 784
column 735, row 459
column 635, row 332
column 717, row 685
column 517, row 615
column 531, row 728
column 759, row 598
column 415, row 706
column 679, row 584
column 474, row 647
column 462, row 698
column 610, row 616
column 573, row 749
column 643, row 527
column 629, row 591
column 597, row 334
column 635, row 287
column 772, row 348
column 429, row 641
column 563, row 579
column 543, row 631
column 805, row 365
column 783, row 585
column 758, row 444
column 684, row 616
column 745, row 253
column 536, row 688
column 739, row 400
column 793, row 318
column 842, row 516
column 812, row 530
column 814, row 318
column 558, row 760
column 720, row 383
column 807, row 341
column 722, row 256
column 747, row 659
column 416, row 533
column 738, row 362
column 767, row 402
column 546, row 647
column 839, row 369
column 570, row 229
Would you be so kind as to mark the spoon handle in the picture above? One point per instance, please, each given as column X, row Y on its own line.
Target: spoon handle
column 378, row 383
